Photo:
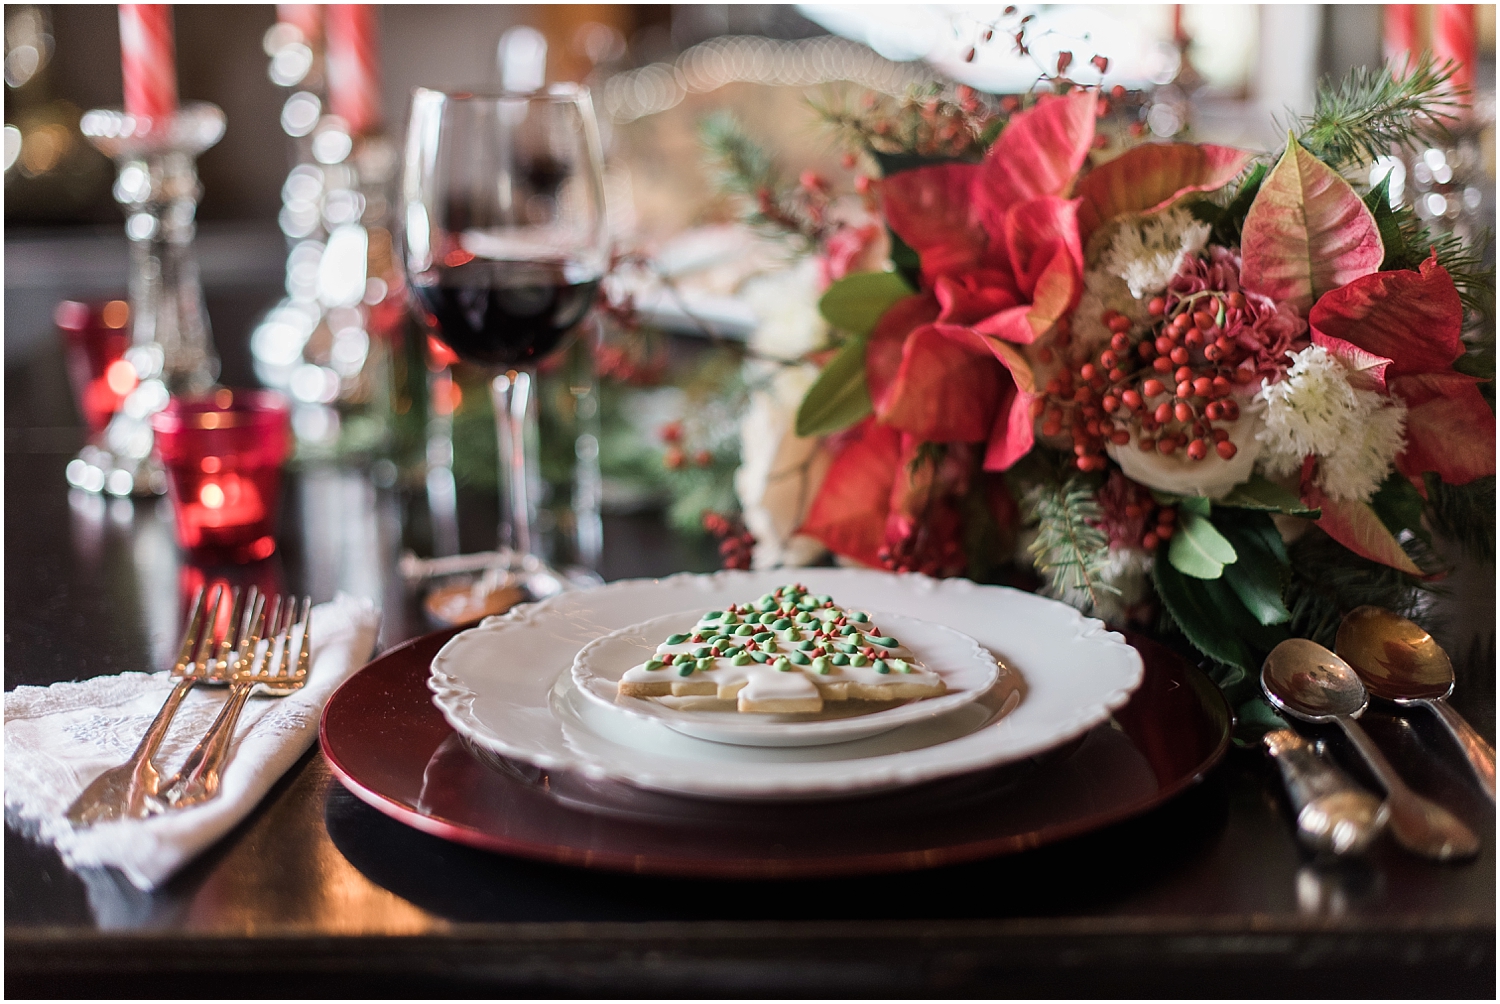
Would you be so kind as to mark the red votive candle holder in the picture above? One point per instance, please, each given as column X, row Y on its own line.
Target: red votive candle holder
column 95, row 336
column 223, row 453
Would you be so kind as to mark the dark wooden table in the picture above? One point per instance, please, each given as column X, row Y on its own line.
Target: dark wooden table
column 316, row 893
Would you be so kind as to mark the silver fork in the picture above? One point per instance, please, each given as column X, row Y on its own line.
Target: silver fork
column 130, row 789
column 269, row 670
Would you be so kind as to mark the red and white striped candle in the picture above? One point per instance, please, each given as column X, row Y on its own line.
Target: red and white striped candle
column 353, row 65
column 1454, row 37
column 1400, row 32
column 148, row 60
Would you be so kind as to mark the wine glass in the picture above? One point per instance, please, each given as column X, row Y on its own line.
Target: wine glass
column 505, row 247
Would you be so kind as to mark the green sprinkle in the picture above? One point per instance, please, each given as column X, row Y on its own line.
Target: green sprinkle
column 713, row 615
column 881, row 667
column 807, row 645
column 705, row 664
column 652, row 664
column 804, row 618
column 859, row 616
column 801, row 658
column 858, row 659
column 848, row 629
column 791, row 634
column 681, row 659
column 770, row 645
column 686, row 670
column 741, row 659
column 822, row 598
column 765, row 603
column 760, row 657
column 701, row 652
column 807, row 605
column 676, row 639
column 845, row 647
column 840, row 659
column 744, row 630
column 822, row 665
column 782, row 665
column 899, row 665
column 764, row 636
column 780, row 624
column 731, row 619
column 884, row 641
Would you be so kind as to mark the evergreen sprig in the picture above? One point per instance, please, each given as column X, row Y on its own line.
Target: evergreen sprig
column 1465, row 514
column 740, row 168
column 1328, row 580
column 1373, row 109
column 1071, row 549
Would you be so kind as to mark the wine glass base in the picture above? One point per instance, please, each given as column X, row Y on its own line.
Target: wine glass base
column 496, row 581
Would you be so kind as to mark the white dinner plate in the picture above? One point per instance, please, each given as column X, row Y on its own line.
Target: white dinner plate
column 966, row 668
column 506, row 685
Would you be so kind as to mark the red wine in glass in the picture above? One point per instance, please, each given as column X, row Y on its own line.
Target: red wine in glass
column 507, row 313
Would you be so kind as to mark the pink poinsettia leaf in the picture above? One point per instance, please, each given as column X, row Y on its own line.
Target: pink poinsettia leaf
column 1152, row 177
column 946, row 389
column 1307, row 233
column 849, row 513
column 1450, row 429
column 1014, row 432
column 883, row 351
column 1036, row 232
column 1355, row 525
column 1414, row 319
column 1038, row 154
column 932, row 209
column 1366, row 369
column 974, row 296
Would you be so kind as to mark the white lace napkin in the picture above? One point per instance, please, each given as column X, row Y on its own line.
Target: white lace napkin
column 59, row 738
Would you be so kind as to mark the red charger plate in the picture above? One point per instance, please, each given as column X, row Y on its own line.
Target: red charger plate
column 389, row 745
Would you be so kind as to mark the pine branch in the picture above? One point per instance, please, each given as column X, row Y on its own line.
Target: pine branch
column 1464, row 514
column 1372, row 110
column 1071, row 550
column 740, row 168
column 1328, row 580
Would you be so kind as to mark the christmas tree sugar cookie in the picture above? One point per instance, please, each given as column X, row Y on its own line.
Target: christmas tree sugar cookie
column 788, row 651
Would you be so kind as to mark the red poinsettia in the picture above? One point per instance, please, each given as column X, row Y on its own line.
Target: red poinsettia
column 1403, row 328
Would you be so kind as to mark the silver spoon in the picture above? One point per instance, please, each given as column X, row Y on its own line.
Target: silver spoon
column 1400, row 662
column 1309, row 682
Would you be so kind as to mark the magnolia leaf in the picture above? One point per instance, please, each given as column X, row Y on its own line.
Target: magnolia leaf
column 839, row 397
column 1152, row 177
column 1378, row 201
column 1399, row 505
column 1200, row 504
column 1189, row 606
column 1263, row 495
column 1198, row 548
column 1307, row 232
column 1259, row 575
column 856, row 302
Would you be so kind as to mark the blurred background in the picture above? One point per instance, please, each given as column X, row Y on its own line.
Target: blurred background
column 670, row 418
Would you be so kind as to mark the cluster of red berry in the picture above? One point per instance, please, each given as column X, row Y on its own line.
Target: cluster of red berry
column 1131, row 516
column 736, row 544
column 1169, row 389
column 676, row 456
column 940, row 555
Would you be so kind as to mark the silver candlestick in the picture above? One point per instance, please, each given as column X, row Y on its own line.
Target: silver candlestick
column 171, row 347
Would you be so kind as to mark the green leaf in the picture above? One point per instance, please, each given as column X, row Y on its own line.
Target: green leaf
column 1199, row 504
column 1230, row 220
column 1260, row 575
column 1198, row 549
column 1214, row 620
column 1264, row 495
column 856, row 302
column 1378, row 200
column 839, row 397
column 1399, row 506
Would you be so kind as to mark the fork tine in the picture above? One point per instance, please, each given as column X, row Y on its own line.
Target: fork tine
column 285, row 637
column 190, row 632
column 232, row 632
column 206, row 645
column 306, row 636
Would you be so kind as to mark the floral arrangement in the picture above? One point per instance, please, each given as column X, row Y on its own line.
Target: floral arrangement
column 1220, row 394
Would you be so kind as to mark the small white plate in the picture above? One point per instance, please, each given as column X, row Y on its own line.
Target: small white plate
column 506, row 685
column 966, row 669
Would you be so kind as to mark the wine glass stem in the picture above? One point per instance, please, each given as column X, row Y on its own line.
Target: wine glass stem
column 516, row 432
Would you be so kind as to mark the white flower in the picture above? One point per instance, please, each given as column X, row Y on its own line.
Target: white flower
column 786, row 306
column 1179, row 474
column 1146, row 253
column 1315, row 411
column 780, row 472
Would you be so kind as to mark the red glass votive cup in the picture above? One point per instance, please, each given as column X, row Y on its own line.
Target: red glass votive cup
column 223, row 453
column 95, row 338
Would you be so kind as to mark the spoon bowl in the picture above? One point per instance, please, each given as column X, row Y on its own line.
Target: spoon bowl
column 1397, row 659
column 1309, row 682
